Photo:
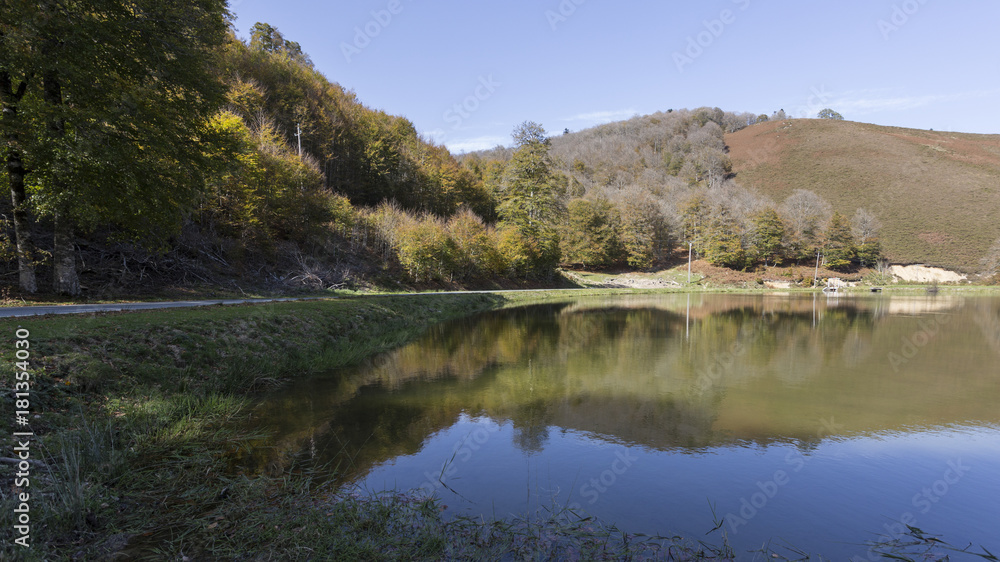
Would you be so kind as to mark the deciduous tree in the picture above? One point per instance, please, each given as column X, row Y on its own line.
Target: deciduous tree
column 116, row 95
column 529, row 192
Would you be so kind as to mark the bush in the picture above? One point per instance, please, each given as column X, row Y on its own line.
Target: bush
column 424, row 249
column 343, row 216
column 517, row 252
column 471, row 243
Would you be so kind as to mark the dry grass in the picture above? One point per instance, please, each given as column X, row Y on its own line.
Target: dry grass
column 937, row 193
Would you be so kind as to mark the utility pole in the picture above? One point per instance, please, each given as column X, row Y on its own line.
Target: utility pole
column 298, row 133
column 816, row 273
column 690, row 246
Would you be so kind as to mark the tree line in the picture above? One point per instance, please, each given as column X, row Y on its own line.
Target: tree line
column 150, row 123
column 628, row 193
column 141, row 121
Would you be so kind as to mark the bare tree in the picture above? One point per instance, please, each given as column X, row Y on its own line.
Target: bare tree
column 806, row 216
column 865, row 226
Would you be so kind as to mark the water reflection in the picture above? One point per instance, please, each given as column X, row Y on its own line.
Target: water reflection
column 697, row 376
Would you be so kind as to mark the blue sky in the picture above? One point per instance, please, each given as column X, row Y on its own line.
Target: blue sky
column 466, row 73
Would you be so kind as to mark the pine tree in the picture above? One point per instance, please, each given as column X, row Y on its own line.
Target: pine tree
column 841, row 248
column 724, row 247
column 768, row 233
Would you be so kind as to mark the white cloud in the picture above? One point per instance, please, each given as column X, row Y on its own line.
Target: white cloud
column 867, row 102
column 472, row 144
column 599, row 117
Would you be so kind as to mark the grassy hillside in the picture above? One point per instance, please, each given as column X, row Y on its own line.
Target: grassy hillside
column 937, row 193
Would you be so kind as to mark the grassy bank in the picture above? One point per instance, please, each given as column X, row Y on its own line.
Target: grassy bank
column 131, row 414
column 135, row 418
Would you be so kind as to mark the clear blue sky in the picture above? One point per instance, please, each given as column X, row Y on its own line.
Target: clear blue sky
column 466, row 73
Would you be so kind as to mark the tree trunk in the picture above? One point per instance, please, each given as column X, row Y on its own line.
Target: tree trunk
column 22, row 227
column 64, row 277
column 15, row 173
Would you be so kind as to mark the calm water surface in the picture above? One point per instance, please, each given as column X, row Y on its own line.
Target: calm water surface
column 816, row 421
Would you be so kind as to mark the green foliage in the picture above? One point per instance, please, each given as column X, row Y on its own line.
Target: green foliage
column 97, row 96
column 830, row 114
column 590, row 234
column 473, row 249
column 767, row 236
column 425, row 250
column 868, row 253
column 724, row 247
column 644, row 231
column 518, row 253
column 367, row 155
column 841, row 247
column 528, row 198
column 262, row 190
column 694, row 221
column 344, row 218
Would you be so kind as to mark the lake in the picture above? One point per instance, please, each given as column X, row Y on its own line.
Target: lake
column 810, row 420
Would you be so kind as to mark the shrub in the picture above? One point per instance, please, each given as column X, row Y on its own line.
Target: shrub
column 424, row 249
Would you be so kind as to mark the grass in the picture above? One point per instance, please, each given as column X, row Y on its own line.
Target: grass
column 138, row 420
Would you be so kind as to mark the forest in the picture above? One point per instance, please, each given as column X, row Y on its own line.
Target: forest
column 145, row 143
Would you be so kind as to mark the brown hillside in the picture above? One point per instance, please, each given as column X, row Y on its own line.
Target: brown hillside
column 937, row 193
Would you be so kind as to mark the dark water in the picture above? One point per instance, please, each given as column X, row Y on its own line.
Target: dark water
column 814, row 421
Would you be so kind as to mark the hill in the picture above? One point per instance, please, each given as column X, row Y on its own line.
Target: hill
column 936, row 193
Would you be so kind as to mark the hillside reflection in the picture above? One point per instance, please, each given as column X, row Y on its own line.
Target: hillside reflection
column 673, row 372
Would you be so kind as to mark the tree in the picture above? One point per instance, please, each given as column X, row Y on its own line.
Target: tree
column 590, row 235
column 724, row 246
column 694, row 221
column 830, row 114
column 116, row 94
column 768, row 232
column 644, row 230
column 11, row 92
column 805, row 215
column 841, row 247
column 529, row 192
column 866, row 227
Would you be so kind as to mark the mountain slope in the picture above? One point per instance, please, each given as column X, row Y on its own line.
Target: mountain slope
column 937, row 193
